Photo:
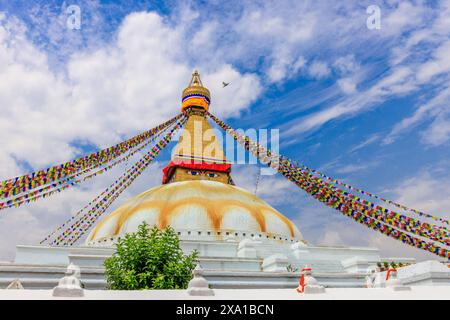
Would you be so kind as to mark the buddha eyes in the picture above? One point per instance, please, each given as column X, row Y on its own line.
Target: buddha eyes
column 197, row 173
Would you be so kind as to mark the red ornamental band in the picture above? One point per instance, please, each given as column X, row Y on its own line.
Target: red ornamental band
column 194, row 165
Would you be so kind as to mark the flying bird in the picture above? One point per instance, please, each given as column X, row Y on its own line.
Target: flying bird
column 225, row 84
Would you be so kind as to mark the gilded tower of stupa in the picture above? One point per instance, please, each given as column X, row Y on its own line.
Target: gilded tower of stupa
column 198, row 155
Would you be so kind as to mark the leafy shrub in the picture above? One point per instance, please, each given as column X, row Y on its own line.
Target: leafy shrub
column 149, row 259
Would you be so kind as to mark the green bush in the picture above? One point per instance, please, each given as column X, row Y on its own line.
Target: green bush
column 149, row 259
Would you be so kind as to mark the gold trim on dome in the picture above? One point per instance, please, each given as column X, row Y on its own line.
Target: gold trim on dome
column 216, row 208
column 215, row 212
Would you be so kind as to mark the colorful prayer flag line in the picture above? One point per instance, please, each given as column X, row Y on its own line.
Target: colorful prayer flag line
column 84, row 220
column 18, row 185
column 375, row 217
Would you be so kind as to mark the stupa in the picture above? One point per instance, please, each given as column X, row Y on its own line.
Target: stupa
column 242, row 241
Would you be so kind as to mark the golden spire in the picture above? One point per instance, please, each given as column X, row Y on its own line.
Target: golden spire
column 195, row 95
column 195, row 81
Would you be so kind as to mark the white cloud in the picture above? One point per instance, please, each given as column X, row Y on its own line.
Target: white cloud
column 404, row 15
column 346, row 64
column 396, row 82
column 274, row 189
column 241, row 91
column 319, row 69
column 399, row 81
column 438, row 65
column 372, row 139
column 350, row 168
column 128, row 86
column 347, row 85
column 407, row 25
column 437, row 108
column 428, row 191
column 438, row 133
column 278, row 30
column 350, row 71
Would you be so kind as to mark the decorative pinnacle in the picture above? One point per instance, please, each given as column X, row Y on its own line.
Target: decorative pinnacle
column 195, row 80
column 195, row 95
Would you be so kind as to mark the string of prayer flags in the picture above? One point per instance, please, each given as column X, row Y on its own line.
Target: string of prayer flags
column 18, row 185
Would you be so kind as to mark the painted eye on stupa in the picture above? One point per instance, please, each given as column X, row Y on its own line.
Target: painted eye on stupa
column 211, row 174
column 194, row 173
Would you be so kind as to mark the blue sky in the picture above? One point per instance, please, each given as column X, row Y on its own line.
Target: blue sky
column 370, row 107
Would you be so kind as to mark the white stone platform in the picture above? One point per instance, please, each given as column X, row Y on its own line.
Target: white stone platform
column 227, row 264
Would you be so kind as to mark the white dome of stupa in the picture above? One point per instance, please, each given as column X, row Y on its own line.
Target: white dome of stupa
column 198, row 208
